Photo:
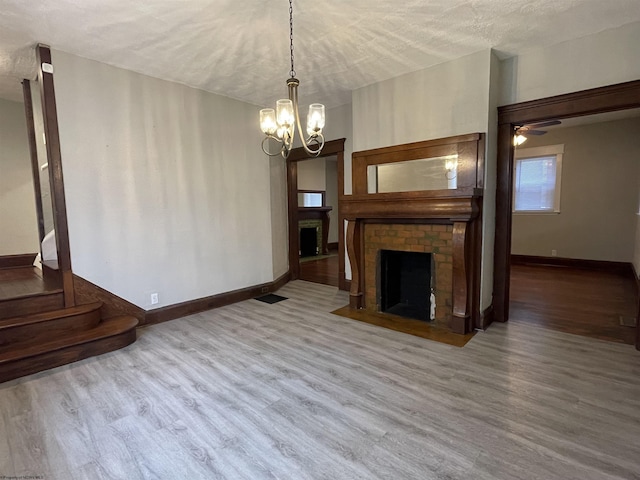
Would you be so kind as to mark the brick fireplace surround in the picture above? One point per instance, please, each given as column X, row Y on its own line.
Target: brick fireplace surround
column 445, row 223
column 434, row 239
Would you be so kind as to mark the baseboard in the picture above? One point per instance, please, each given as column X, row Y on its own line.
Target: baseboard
column 183, row 309
column 112, row 305
column 344, row 284
column 17, row 261
column 486, row 317
column 332, row 245
column 600, row 265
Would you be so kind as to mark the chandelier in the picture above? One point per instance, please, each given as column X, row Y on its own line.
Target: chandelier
column 280, row 124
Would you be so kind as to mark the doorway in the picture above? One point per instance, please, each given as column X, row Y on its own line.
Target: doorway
column 314, row 188
column 600, row 100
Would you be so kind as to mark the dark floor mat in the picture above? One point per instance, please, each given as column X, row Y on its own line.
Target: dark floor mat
column 270, row 298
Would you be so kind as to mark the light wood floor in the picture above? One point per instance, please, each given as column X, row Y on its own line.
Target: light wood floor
column 290, row 391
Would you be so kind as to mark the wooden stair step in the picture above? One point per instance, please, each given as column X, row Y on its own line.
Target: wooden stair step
column 34, row 303
column 25, row 358
column 48, row 325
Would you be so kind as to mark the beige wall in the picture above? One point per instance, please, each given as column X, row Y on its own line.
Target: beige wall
column 18, row 219
column 605, row 58
column 167, row 188
column 312, row 174
column 599, row 196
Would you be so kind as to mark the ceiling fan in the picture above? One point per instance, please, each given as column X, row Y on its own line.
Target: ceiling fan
column 524, row 131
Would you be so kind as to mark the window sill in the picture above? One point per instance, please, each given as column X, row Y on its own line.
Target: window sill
column 535, row 212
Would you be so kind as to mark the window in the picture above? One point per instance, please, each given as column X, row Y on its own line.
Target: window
column 536, row 180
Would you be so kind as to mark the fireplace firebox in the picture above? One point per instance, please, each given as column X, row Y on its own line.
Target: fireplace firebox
column 405, row 283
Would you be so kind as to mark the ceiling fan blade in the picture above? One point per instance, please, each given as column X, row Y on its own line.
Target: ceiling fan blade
column 534, row 132
column 544, row 124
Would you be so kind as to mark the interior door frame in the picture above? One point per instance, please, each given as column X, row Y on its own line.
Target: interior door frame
column 331, row 148
column 620, row 96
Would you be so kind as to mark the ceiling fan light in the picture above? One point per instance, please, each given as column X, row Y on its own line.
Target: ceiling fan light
column 519, row 140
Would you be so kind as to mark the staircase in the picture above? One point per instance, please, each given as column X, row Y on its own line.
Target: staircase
column 37, row 333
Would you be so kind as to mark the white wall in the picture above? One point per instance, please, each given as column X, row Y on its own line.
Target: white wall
column 167, row 188
column 18, row 219
column 441, row 101
column 599, row 194
column 598, row 60
column 340, row 125
column 279, row 218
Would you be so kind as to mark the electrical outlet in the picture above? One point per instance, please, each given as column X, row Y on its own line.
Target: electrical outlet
column 154, row 298
column 554, row 253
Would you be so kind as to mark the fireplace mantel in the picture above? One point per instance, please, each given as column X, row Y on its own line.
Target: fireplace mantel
column 460, row 208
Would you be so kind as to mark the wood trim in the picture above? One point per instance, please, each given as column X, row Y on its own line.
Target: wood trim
column 33, row 154
column 411, row 205
column 112, row 305
column 333, row 147
column 587, row 102
column 486, row 318
column 17, row 261
column 214, row 301
column 470, row 160
column 610, row 98
column 292, row 213
column 54, row 158
column 623, row 268
column 332, row 245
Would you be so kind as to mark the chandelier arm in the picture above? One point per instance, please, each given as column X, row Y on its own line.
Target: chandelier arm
column 293, row 96
column 282, row 148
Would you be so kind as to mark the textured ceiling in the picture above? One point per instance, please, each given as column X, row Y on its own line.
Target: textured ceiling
column 240, row 48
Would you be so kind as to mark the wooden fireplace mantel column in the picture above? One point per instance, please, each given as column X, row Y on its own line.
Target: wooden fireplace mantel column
column 354, row 242
column 461, row 318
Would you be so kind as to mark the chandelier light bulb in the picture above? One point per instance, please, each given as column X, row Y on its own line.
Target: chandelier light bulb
column 315, row 119
column 284, row 113
column 268, row 121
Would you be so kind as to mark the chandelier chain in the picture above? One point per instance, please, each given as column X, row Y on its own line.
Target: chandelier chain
column 292, row 72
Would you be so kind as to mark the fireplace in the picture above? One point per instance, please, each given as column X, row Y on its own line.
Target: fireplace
column 442, row 222
column 405, row 284
column 426, row 241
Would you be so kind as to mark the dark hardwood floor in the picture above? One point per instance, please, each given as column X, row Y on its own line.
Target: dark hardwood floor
column 583, row 302
column 25, row 281
column 323, row 271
